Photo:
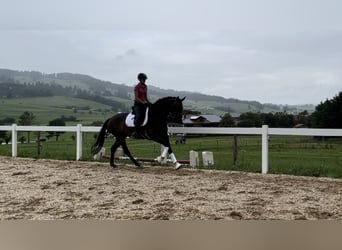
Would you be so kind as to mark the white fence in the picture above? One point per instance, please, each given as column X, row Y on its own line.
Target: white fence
column 264, row 131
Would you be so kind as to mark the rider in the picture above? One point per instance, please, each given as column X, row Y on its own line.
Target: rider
column 140, row 104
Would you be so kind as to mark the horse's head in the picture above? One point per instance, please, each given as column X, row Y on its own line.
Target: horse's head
column 172, row 107
column 176, row 110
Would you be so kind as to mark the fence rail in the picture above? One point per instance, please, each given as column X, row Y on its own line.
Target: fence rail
column 264, row 131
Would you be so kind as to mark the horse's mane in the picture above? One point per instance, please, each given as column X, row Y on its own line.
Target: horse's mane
column 164, row 99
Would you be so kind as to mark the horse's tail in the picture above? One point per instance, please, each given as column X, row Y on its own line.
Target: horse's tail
column 100, row 139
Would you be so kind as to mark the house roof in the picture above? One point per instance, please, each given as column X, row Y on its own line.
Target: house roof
column 212, row 118
column 198, row 118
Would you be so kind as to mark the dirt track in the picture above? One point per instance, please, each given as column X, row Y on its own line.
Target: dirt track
column 48, row 189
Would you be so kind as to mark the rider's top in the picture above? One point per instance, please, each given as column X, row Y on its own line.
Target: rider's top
column 141, row 90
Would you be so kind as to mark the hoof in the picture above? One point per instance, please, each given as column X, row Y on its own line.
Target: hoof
column 139, row 167
column 178, row 166
column 161, row 160
column 113, row 165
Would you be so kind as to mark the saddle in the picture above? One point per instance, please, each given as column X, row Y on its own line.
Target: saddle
column 130, row 119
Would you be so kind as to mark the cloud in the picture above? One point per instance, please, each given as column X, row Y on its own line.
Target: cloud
column 264, row 15
column 269, row 51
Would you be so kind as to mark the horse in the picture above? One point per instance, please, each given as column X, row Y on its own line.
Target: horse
column 159, row 113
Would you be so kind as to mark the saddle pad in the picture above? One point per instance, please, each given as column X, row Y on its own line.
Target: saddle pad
column 130, row 119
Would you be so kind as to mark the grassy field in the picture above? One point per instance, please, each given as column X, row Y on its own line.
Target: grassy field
column 46, row 109
column 205, row 107
column 295, row 155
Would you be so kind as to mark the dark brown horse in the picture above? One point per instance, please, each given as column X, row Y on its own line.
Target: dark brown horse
column 164, row 110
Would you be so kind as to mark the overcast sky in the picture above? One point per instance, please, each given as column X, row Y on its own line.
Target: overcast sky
column 271, row 51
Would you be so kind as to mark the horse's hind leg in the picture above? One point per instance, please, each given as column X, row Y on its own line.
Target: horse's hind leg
column 112, row 153
column 128, row 153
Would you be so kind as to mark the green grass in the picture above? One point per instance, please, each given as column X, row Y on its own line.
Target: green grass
column 295, row 155
column 209, row 107
column 305, row 156
column 46, row 109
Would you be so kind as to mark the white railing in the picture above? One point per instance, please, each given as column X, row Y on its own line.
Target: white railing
column 264, row 131
column 78, row 129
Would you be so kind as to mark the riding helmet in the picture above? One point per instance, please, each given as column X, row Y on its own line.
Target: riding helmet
column 142, row 76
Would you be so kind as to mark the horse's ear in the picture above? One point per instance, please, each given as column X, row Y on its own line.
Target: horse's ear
column 183, row 98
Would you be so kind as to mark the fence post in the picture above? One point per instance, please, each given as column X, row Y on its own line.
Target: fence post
column 79, row 142
column 14, row 140
column 235, row 151
column 264, row 150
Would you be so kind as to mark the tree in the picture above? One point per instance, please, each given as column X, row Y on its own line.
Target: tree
column 303, row 118
column 6, row 136
column 328, row 114
column 277, row 120
column 270, row 120
column 7, row 121
column 284, row 120
column 250, row 119
column 26, row 119
column 2, row 134
column 22, row 139
column 56, row 122
column 227, row 121
column 96, row 123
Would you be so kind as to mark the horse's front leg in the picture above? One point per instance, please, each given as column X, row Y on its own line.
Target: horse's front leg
column 168, row 150
column 163, row 138
column 174, row 159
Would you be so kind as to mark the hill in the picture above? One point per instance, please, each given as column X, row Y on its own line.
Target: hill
column 20, row 86
column 45, row 109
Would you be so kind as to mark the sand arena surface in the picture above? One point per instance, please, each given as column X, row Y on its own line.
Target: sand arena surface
column 50, row 189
